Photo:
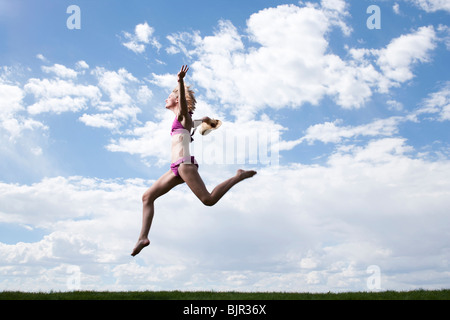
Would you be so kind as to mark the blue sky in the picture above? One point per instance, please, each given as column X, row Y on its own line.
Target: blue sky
column 358, row 165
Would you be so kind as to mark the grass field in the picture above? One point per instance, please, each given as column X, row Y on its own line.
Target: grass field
column 211, row 295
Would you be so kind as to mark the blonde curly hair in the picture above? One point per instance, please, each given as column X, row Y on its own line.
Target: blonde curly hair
column 190, row 97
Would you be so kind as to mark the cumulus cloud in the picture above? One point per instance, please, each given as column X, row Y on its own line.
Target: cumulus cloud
column 108, row 98
column 150, row 140
column 41, row 57
column 335, row 132
column 287, row 62
column 111, row 95
column 11, row 98
column 332, row 132
column 58, row 95
column 113, row 83
column 121, row 106
column 144, row 94
column 72, row 237
column 142, row 37
column 60, row 71
column 167, row 80
column 12, row 118
column 432, row 5
column 82, row 65
column 279, row 72
column 21, row 135
column 376, row 200
column 179, row 40
column 438, row 103
column 397, row 59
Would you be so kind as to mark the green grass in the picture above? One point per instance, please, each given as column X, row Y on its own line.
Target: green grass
column 211, row 295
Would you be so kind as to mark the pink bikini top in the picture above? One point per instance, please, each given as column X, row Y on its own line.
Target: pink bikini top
column 177, row 127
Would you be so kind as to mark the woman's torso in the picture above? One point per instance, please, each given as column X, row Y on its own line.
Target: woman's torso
column 181, row 138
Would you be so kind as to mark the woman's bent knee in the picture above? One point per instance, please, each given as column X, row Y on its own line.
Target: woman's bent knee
column 147, row 198
column 208, row 201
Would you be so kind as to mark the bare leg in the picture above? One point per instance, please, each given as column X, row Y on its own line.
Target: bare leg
column 164, row 184
column 189, row 173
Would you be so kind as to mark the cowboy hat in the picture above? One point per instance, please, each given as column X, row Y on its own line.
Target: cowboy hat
column 206, row 128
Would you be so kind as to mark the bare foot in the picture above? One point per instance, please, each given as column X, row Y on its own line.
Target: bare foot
column 242, row 174
column 141, row 244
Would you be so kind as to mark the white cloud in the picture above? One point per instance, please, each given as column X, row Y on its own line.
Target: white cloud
column 179, row 41
column 60, row 71
column 11, row 109
column 143, row 32
column 100, row 120
column 167, row 80
column 82, row 65
column 144, row 94
column 395, row 105
column 133, row 45
column 288, row 62
column 432, row 5
column 438, row 102
column 115, row 95
column 330, row 132
column 141, row 38
column 397, row 59
column 49, row 193
column 111, row 120
column 284, row 70
column 15, row 126
column 335, row 5
column 113, row 83
column 57, row 95
column 335, row 10
column 151, row 140
column 49, row 88
column 444, row 35
column 10, row 98
column 334, row 132
column 41, row 57
column 58, row 105
column 120, row 108
column 21, row 136
column 364, row 207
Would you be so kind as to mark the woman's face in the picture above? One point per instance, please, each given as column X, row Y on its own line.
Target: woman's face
column 171, row 101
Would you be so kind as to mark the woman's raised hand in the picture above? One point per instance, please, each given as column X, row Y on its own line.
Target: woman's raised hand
column 182, row 73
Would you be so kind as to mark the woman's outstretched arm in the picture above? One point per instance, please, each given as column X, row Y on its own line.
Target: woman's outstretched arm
column 181, row 92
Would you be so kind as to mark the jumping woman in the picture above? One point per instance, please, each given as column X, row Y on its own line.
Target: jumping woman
column 184, row 167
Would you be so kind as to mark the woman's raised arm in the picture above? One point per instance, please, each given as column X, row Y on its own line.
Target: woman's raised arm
column 181, row 91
